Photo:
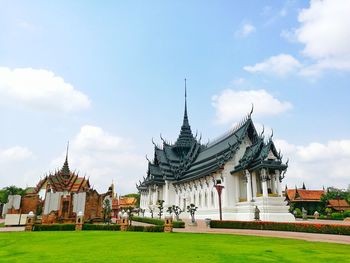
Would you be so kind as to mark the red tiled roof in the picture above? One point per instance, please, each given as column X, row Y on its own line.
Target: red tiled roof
column 339, row 204
column 304, row 195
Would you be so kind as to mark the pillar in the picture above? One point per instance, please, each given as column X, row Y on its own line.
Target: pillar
column 149, row 196
column 124, row 222
column 249, row 185
column 166, row 194
column 278, row 182
column 30, row 221
column 254, row 187
column 168, row 224
column 79, row 221
column 273, row 184
column 263, row 177
column 237, row 190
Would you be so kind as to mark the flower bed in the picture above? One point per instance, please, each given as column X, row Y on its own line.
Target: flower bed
column 158, row 222
column 294, row 227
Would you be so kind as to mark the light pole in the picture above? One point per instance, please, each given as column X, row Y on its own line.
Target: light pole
column 219, row 188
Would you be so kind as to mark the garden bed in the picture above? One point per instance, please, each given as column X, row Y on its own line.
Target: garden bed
column 158, row 222
column 279, row 226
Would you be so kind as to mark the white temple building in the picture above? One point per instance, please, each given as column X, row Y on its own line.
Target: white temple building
column 244, row 162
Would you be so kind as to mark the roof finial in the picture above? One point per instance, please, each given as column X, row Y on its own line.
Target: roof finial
column 65, row 169
column 67, row 151
column 185, row 99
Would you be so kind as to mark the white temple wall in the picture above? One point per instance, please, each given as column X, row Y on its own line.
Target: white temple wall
column 79, row 202
column 52, row 202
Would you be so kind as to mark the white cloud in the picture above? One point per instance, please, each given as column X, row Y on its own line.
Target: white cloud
column 92, row 137
column 317, row 164
column 325, row 29
column 105, row 157
column 15, row 154
column 231, row 105
column 245, row 30
column 281, row 65
column 39, row 89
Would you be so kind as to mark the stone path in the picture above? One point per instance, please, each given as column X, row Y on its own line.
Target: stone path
column 12, row 229
column 201, row 228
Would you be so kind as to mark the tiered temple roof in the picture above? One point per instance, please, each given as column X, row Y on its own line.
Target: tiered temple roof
column 188, row 159
column 64, row 180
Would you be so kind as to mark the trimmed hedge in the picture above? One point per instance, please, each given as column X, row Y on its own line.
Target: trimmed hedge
column 101, row 227
column 178, row 224
column 153, row 221
column 157, row 222
column 54, row 227
column 294, row 227
column 146, row 228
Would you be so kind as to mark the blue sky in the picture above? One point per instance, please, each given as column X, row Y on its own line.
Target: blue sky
column 109, row 76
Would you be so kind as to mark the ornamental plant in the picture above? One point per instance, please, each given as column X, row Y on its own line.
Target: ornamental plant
column 192, row 210
column 160, row 208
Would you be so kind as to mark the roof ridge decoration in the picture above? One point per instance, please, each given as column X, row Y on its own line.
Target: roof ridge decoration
column 233, row 130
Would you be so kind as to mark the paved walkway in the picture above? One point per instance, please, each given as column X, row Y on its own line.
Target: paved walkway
column 201, row 228
column 12, row 229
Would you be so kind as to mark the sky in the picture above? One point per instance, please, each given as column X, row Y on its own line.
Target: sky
column 109, row 76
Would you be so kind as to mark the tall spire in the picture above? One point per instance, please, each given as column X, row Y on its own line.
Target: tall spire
column 65, row 169
column 185, row 120
column 185, row 138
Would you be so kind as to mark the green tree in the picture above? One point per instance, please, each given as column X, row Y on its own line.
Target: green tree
column 10, row 190
column 107, row 210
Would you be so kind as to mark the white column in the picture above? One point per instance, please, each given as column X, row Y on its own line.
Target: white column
column 264, row 182
column 236, row 180
column 254, row 185
column 279, row 188
column 155, row 197
column 149, row 195
column 273, row 184
column 249, row 185
column 166, row 194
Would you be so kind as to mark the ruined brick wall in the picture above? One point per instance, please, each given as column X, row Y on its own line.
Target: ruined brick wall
column 93, row 205
column 29, row 203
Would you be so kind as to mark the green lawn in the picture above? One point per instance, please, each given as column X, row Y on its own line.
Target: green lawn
column 104, row 246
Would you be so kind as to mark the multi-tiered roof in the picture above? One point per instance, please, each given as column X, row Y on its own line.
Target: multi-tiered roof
column 188, row 159
column 64, row 180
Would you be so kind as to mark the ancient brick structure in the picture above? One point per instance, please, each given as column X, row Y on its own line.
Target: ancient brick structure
column 60, row 196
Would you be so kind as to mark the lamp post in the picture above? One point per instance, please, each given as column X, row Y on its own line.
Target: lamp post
column 219, row 188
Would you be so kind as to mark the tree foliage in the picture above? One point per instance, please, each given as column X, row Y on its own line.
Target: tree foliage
column 10, row 190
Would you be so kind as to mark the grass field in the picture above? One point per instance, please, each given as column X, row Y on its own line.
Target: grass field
column 103, row 246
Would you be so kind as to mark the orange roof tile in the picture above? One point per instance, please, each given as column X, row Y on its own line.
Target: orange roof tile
column 338, row 204
column 304, row 195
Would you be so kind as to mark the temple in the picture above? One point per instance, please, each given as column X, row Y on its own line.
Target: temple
column 59, row 197
column 244, row 162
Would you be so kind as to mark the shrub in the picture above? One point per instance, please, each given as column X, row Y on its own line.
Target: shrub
column 337, row 216
column 101, row 227
column 178, row 224
column 346, row 213
column 148, row 220
column 298, row 212
column 54, row 227
column 146, row 228
column 157, row 222
column 295, row 227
